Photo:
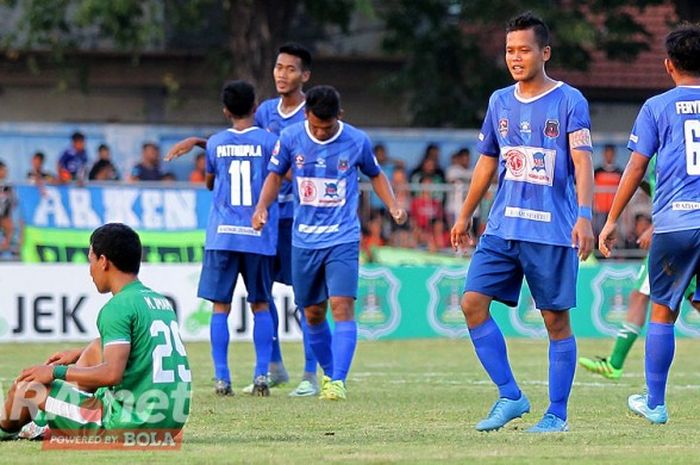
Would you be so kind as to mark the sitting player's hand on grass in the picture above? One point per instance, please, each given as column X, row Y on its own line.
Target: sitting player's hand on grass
column 64, row 358
column 644, row 239
column 582, row 237
column 399, row 214
column 42, row 374
column 259, row 218
column 459, row 236
column 607, row 239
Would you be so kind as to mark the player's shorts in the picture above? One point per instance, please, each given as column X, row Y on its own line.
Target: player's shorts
column 282, row 272
column 322, row 273
column 674, row 260
column 220, row 269
column 70, row 409
column 642, row 282
column 498, row 266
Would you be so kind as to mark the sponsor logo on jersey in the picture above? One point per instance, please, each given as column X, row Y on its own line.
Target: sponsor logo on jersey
column 320, row 163
column 379, row 311
column 307, row 191
column 515, row 162
column 299, row 160
column 525, row 127
column 610, row 289
column 343, row 164
column 534, row 165
column 538, row 161
column 503, row 126
column 551, row 128
column 445, row 315
column 331, row 190
column 321, row 192
column 276, row 150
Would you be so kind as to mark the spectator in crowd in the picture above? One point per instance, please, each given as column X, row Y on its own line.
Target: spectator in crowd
column 168, row 177
column 642, row 222
column 7, row 202
column 198, row 174
column 606, row 178
column 37, row 175
column 149, row 167
column 439, row 239
column 459, row 174
column 424, row 209
column 429, row 166
column 401, row 235
column 104, row 169
column 372, row 235
column 72, row 163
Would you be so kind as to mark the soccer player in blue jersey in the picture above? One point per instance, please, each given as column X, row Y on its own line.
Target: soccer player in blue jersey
column 536, row 137
column 668, row 125
column 236, row 167
column 324, row 155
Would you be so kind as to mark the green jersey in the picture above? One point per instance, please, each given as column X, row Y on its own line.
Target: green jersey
column 155, row 390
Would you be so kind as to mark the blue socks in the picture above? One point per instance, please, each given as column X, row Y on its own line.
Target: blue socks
column 660, row 346
column 320, row 342
column 490, row 348
column 276, row 351
column 219, row 336
column 262, row 339
column 344, row 343
column 309, row 358
column 562, row 366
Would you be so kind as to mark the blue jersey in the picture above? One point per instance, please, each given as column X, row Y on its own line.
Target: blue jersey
column 536, row 198
column 238, row 160
column 668, row 125
column 269, row 116
column 325, row 178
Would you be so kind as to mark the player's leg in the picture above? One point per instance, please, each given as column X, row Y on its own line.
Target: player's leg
column 611, row 367
column 216, row 284
column 309, row 380
column 553, row 289
column 679, row 252
column 22, row 403
column 493, row 274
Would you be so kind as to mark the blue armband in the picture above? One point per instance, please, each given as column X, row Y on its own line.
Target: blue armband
column 585, row 212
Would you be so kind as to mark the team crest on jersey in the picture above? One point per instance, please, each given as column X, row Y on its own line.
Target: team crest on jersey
column 538, row 161
column 525, row 127
column 307, row 191
column 610, row 290
column 343, row 164
column 503, row 127
column 551, row 128
column 299, row 160
column 379, row 311
column 525, row 318
column 331, row 190
column 445, row 315
column 515, row 162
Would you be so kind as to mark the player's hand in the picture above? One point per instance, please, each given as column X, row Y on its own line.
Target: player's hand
column 181, row 148
column 459, row 235
column 259, row 218
column 399, row 214
column 39, row 374
column 582, row 237
column 644, row 240
column 607, row 239
column 64, row 358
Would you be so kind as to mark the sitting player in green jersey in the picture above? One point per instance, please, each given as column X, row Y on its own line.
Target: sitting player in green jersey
column 134, row 377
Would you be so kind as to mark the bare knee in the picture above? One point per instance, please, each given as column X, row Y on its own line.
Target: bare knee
column 557, row 323
column 343, row 308
column 475, row 307
column 259, row 307
column 315, row 314
column 663, row 314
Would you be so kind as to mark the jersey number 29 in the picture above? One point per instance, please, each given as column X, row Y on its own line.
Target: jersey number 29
column 165, row 350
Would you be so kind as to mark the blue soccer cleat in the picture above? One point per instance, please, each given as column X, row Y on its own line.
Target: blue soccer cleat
column 550, row 424
column 503, row 411
column 638, row 405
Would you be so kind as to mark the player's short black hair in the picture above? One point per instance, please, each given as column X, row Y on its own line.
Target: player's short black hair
column 238, row 97
column 527, row 21
column 298, row 51
column 103, row 147
column 120, row 244
column 323, row 102
column 152, row 145
column 2, row 164
column 77, row 136
column 683, row 48
column 39, row 155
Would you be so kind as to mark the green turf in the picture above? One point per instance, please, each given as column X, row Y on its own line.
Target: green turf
column 409, row 402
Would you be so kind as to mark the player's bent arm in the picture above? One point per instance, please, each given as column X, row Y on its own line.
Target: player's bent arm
column 383, row 189
column 631, row 178
column 484, row 171
column 107, row 373
column 182, row 147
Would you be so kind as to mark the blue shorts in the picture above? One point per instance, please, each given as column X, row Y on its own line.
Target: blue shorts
column 282, row 272
column 498, row 266
column 220, row 269
column 322, row 273
column 674, row 258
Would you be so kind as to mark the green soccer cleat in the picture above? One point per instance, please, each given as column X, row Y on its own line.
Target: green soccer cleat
column 600, row 366
column 334, row 390
column 305, row 389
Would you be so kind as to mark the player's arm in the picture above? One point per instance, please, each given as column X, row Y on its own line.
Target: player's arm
column 582, row 234
column 107, row 373
column 209, row 180
column 184, row 146
column 382, row 188
column 485, row 169
column 631, row 178
column 270, row 190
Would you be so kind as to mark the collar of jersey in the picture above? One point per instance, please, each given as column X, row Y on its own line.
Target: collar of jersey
column 532, row 99
column 236, row 131
column 691, row 87
column 291, row 113
column 324, row 142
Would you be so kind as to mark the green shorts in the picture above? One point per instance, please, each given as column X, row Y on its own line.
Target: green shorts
column 69, row 408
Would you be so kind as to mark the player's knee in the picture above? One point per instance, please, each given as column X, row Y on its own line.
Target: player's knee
column 475, row 309
column 315, row 314
column 557, row 323
column 343, row 308
column 259, row 307
column 663, row 314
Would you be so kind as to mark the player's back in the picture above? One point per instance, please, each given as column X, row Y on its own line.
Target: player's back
column 669, row 125
column 157, row 361
column 238, row 160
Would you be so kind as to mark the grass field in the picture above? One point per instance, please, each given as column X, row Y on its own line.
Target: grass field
column 409, row 402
